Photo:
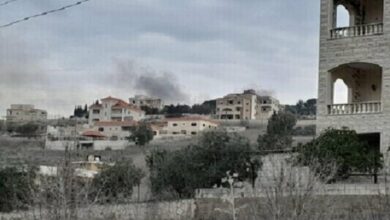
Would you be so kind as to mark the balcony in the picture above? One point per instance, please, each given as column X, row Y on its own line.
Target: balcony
column 357, row 31
column 355, row 108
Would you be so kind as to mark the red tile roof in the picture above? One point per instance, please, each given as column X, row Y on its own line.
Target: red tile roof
column 122, row 104
column 116, row 123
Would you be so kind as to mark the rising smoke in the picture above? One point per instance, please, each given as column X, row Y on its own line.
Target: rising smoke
column 146, row 81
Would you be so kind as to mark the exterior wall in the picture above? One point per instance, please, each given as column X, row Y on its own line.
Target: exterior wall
column 373, row 49
column 112, row 131
column 25, row 113
column 95, row 145
column 64, row 133
column 266, row 106
column 185, row 127
column 139, row 101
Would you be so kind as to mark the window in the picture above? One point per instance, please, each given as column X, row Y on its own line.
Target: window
column 96, row 111
column 230, row 102
column 239, row 102
column 340, row 92
column 194, row 124
column 193, row 133
column 342, row 17
column 204, row 125
column 183, row 132
column 238, row 108
column 174, row 124
column 101, row 129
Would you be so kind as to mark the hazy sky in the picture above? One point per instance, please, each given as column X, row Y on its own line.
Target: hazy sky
column 182, row 50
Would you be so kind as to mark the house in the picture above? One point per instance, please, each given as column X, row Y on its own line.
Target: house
column 114, row 109
column 246, row 106
column 22, row 113
column 114, row 130
column 66, row 132
column 187, row 125
column 355, row 59
column 151, row 102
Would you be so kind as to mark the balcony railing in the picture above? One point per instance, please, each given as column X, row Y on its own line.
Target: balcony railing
column 355, row 108
column 356, row 31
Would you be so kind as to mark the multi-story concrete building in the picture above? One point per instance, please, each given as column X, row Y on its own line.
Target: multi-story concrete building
column 359, row 56
column 189, row 125
column 22, row 113
column 141, row 100
column 114, row 109
column 246, row 106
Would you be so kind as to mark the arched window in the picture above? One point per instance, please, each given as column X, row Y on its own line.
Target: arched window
column 340, row 92
column 342, row 17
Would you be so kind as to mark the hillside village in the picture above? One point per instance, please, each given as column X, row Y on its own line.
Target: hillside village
column 240, row 156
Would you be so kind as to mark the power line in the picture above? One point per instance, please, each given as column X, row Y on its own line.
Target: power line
column 43, row 13
column 7, row 2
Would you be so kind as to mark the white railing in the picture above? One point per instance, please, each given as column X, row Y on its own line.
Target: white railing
column 356, row 31
column 355, row 108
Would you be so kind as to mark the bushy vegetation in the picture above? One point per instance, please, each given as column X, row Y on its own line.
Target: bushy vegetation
column 202, row 165
column 342, row 150
column 115, row 184
column 16, row 187
column 303, row 108
column 31, row 129
column 279, row 133
column 141, row 134
column 309, row 130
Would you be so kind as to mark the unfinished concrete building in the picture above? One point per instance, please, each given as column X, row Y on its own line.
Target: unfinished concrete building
column 356, row 56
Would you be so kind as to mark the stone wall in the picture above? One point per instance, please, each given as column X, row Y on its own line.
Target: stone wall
column 175, row 210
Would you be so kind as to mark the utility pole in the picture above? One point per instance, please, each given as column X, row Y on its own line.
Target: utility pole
column 230, row 179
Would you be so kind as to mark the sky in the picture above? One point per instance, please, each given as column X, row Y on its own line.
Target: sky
column 183, row 51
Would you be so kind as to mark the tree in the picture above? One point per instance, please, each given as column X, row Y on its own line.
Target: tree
column 150, row 111
column 28, row 130
column 141, row 134
column 206, row 108
column 279, row 132
column 302, row 108
column 115, row 184
column 15, row 189
column 343, row 149
column 202, row 165
column 80, row 112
